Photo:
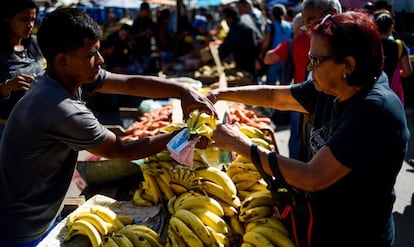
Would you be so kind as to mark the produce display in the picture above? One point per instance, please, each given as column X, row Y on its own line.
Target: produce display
column 225, row 205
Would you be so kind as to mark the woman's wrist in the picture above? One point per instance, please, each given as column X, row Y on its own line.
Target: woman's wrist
column 5, row 88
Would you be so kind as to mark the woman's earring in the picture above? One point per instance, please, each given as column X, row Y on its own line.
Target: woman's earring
column 344, row 75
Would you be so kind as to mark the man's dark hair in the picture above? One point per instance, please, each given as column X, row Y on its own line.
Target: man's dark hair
column 65, row 30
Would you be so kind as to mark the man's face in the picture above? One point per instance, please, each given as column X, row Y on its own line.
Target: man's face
column 310, row 16
column 85, row 63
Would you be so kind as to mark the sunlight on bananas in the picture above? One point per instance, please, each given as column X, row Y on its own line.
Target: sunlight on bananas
column 201, row 123
column 95, row 222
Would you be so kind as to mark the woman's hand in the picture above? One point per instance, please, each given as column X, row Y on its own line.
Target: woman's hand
column 229, row 137
column 19, row 83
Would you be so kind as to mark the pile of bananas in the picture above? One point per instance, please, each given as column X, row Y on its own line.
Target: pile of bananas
column 133, row 236
column 164, row 179
column 246, row 178
column 242, row 171
column 197, row 221
column 201, row 124
column 95, row 222
column 266, row 231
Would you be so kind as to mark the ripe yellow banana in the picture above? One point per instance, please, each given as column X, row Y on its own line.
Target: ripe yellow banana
column 217, row 191
column 275, row 236
column 108, row 241
column 138, row 238
column 139, row 200
column 236, row 225
column 176, row 241
column 255, row 213
column 251, row 131
column 193, row 118
column 182, row 196
column 122, row 240
column 258, row 198
column 195, row 224
column 204, row 201
column 185, row 232
column 170, row 205
column 174, row 126
column 245, row 165
column 107, row 215
column 220, row 239
column 256, row 239
column 206, row 119
column 246, row 245
column 258, row 186
column 165, row 176
column 244, row 176
column 219, row 177
column 145, row 229
column 165, row 189
column 83, row 227
column 177, row 188
column 203, row 130
column 232, row 170
column 125, row 220
column 261, row 142
column 211, row 219
column 72, row 216
column 102, row 226
column 271, row 222
column 228, row 210
column 152, row 187
column 240, row 158
column 244, row 185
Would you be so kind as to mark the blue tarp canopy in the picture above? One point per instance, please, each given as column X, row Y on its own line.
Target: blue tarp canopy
column 206, row 3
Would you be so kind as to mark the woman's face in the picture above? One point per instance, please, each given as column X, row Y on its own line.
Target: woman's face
column 21, row 25
column 326, row 73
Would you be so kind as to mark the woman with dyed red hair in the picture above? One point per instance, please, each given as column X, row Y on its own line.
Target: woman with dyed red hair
column 359, row 137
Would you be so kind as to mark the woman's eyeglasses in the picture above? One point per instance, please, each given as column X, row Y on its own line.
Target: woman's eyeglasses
column 315, row 60
column 329, row 26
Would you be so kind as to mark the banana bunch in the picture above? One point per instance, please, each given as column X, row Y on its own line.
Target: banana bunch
column 258, row 204
column 196, row 220
column 201, row 123
column 161, row 183
column 257, row 136
column 245, row 177
column 266, row 231
column 229, row 202
column 133, row 236
column 96, row 223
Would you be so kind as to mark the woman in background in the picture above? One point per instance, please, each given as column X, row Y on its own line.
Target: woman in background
column 20, row 56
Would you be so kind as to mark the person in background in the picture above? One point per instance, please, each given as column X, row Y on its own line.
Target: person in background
column 142, row 32
column 353, row 170
column 165, row 37
column 396, row 53
column 282, row 30
column 295, row 51
column 38, row 152
column 314, row 10
column 248, row 9
column 241, row 42
column 20, row 57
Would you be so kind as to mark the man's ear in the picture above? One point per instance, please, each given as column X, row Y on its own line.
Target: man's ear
column 61, row 59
